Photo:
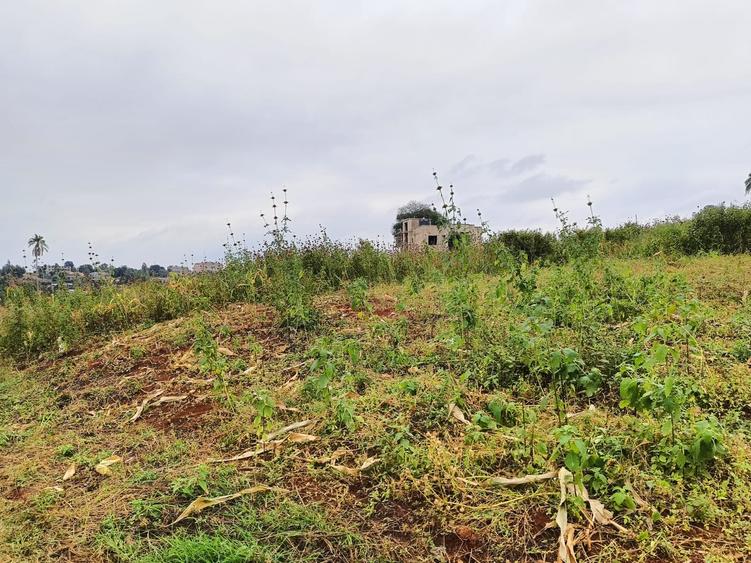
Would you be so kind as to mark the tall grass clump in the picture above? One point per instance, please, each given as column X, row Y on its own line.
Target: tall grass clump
column 576, row 243
column 632, row 240
column 289, row 286
column 290, row 290
column 32, row 323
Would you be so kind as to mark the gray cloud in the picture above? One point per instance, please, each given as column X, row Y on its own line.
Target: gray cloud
column 144, row 126
column 471, row 165
column 543, row 186
column 465, row 167
column 527, row 163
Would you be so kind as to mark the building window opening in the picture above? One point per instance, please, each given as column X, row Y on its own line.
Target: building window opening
column 432, row 240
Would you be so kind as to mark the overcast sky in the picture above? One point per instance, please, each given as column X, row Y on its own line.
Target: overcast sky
column 144, row 127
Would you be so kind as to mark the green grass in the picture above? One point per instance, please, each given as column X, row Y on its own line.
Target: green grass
column 203, row 548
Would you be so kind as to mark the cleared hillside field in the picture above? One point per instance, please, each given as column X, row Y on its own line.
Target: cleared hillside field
column 395, row 429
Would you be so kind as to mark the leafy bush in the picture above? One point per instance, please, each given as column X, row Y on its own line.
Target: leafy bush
column 358, row 294
column 535, row 245
column 629, row 231
column 715, row 228
column 720, row 228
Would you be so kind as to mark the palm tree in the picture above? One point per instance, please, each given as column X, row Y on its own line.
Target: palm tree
column 748, row 184
column 38, row 247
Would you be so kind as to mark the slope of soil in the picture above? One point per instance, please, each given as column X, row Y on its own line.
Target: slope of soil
column 410, row 412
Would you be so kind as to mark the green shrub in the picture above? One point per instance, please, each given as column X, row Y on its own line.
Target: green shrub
column 535, row 245
column 358, row 294
column 720, row 228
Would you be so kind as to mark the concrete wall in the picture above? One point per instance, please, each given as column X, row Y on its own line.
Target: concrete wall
column 414, row 236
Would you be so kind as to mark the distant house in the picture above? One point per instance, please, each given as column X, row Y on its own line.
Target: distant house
column 72, row 279
column 417, row 232
column 204, row 267
column 178, row 269
column 52, row 279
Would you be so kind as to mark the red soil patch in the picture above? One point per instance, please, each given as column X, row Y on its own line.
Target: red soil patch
column 385, row 310
column 17, row 493
column 397, row 520
column 178, row 416
column 308, row 488
column 538, row 520
column 463, row 544
column 380, row 308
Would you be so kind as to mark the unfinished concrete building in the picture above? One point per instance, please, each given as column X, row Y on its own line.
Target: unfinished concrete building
column 415, row 233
